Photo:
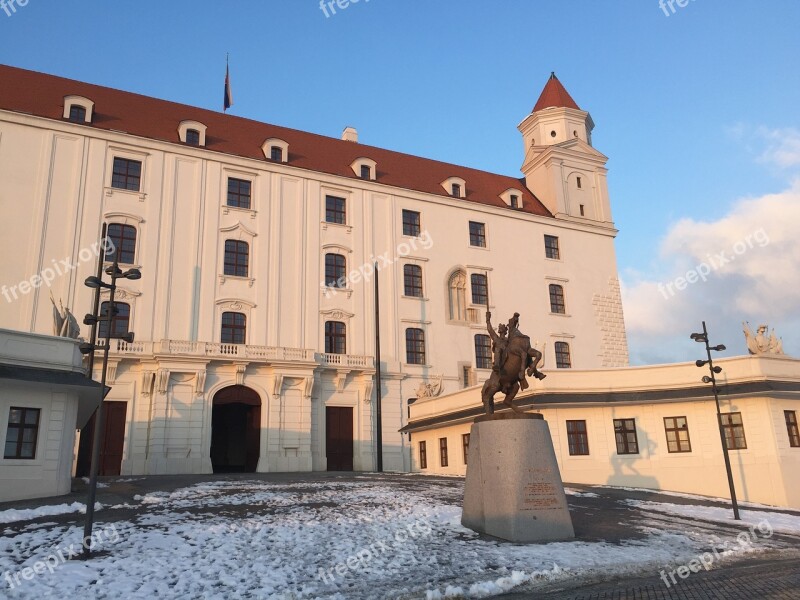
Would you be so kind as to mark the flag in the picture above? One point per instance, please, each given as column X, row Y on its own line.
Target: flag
column 228, row 100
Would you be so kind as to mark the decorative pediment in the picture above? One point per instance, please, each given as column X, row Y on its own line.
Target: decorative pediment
column 241, row 228
column 336, row 315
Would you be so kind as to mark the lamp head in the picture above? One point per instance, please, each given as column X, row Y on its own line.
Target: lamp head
column 132, row 274
column 717, row 369
column 706, row 379
column 85, row 348
column 93, row 282
column 698, row 337
column 719, row 347
column 128, row 337
column 700, row 363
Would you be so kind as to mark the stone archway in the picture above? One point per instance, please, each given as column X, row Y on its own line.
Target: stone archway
column 235, row 430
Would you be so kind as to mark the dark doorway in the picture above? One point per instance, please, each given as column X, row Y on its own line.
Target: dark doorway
column 235, row 430
column 339, row 438
column 112, row 441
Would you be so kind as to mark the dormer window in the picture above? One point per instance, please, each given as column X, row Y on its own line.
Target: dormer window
column 193, row 137
column 192, row 133
column 77, row 114
column 455, row 187
column 364, row 168
column 512, row 197
column 276, row 149
column 78, row 109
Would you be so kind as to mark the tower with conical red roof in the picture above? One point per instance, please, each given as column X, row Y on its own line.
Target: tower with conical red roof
column 561, row 166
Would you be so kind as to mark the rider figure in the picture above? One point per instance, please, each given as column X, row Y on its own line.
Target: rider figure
column 513, row 331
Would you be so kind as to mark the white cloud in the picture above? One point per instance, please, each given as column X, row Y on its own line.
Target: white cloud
column 746, row 266
column 783, row 147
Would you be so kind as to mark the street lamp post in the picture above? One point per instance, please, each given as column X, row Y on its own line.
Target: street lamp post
column 94, row 319
column 703, row 338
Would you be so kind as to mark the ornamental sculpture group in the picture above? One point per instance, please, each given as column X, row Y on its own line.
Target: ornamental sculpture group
column 513, row 358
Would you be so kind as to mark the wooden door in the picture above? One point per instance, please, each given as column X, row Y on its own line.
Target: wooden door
column 339, row 438
column 113, row 438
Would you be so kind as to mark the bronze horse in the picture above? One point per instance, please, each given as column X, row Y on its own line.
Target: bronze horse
column 507, row 376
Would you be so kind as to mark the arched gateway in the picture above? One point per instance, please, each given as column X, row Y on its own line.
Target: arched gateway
column 235, row 430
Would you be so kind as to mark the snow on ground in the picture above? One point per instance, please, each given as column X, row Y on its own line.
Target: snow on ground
column 764, row 522
column 683, row 495
column 368, row 539
column 11, row 515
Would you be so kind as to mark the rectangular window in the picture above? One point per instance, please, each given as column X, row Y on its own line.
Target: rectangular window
column 234, row 328
column 239, row 192
column 477, row 234
column 412, row 281
column 456, row 190
column 411, row 223
column 192, row 137
column 514, row 201
column 733, row 427
column 423, row 456
column 579, row 182
column 443, row 452
column 335, row 337
column 120, row 320
column 276, row 153
column 77, row 114
column 483, row 351
column 335, row 211
column 237, row 258
column 22, row 433
column 124, row 239
column 480, row 289
column 551, row 247
column 335, row 270
column 791, row 427
column 677, row 430
column 577, row 438
column 583, row 212
column 366, row 172
column 465, row 444
column 415, row 346
column 625, row 431
column 466, row 377
column 563, row 357
column 127, row 174
column 557, row 304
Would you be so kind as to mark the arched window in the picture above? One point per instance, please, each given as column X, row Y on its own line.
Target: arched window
column 415, row 346
column 124, row 239
column 480, row 289
column 335, row 337
column 335, row 270
column 234, row 328
column 192, row 137
column 237, row 258
column 563, row 359
column 483, row 351
column 77, row 114
column 412, row 280
column 458, row 296
column 557, row 304
column 120, row 321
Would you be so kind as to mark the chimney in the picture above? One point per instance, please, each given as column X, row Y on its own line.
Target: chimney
column 350, row 134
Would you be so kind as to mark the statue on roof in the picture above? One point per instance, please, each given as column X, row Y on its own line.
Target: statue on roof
column 64, row 322
column 763, row 341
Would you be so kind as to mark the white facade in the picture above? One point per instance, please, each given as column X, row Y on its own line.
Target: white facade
column 43, row 385
column 57, row 188
column 760, row 389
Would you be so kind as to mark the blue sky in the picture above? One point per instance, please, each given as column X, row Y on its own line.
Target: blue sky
column 697, row 110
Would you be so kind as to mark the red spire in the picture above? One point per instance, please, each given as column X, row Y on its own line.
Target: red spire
column 554, row 95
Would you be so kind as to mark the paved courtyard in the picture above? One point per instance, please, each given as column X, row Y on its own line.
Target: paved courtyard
column 353, row 536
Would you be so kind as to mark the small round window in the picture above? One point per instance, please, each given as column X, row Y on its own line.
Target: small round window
column 552, row 134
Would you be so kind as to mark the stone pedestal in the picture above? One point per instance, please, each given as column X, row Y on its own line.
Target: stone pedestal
column 513, row 489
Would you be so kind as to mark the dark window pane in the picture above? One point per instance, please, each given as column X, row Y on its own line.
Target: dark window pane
column 22, row 433
column 483, row 351
column 557, row 304
column 234, row 328
column 480, row 289
column 625, row 433
column 239, row 192
column 514, row 201
column 335, row 210
column 335, row 337
column 443, row 452
column 415, row 346
column 192, row 137
column 456, row 190
column 412, row 280
column 577, row 438
column 335, row 270
column 366, row 172
column 423, row 456
column 237, row 258
column 733, row 427
column 792, row 428
column 127, row 174
column 551, row 247
column 477, row 234
column 465, row 444
column 124, row 239
column 120, row 321
column 276, row 153
column 411, row 223
column 563, row 358
column 77, row 114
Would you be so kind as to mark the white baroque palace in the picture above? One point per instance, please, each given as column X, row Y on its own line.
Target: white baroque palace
column 255, row 314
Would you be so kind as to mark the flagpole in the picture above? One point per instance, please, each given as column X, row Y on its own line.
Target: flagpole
column 378, row 399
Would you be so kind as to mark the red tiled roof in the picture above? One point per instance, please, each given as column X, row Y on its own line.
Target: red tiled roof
column 554, row 95
column 43, row 95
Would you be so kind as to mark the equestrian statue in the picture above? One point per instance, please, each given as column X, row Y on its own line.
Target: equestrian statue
column 512, row 356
